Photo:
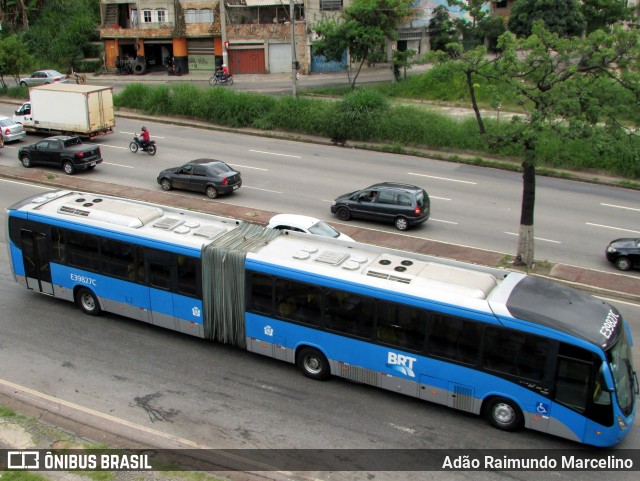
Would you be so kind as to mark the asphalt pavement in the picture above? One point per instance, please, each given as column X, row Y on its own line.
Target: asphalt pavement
column 81, row 421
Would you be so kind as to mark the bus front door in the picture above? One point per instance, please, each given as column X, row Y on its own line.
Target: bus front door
column 36, row 256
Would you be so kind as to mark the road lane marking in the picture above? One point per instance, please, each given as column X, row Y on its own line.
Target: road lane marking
column 118, row 165
column 114, row 146
column 613, row 228
column 274, row 153
column 402, row 428
column 439, row 198
column 249, row 167
column 431, row 219
column 619, row 206
column 443, row 178
column 27, row 184
column 136, row 133
column 263, row 190
column 538, row 238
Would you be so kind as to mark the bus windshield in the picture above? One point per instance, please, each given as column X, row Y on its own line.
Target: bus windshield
column 621, row 363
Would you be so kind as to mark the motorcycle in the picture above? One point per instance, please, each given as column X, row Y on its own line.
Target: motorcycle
column 150, row 148
column 220, row 78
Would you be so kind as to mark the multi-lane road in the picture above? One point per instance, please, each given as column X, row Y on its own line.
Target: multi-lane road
column 474, row 206
column 223, row 397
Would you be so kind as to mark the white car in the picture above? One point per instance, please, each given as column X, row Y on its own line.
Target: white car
column 303, row 223
column 11, row 130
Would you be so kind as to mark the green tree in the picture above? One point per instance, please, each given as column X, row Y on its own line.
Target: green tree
column 562, row 17
column 491, row 28
column 603, row 14
column 477, row 9
column 14, row 59
column 441, row 29
column 62, row 31
column 363, row 28
column 578, row 87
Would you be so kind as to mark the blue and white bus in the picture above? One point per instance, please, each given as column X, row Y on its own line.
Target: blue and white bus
column 520, row 350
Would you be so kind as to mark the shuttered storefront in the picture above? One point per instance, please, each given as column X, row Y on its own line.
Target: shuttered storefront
column 201, row 54
column 246, row 60
column 279, row 57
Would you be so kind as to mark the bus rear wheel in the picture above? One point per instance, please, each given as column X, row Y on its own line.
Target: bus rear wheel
column 504, row 414
column 313, row 364
column 87, row 301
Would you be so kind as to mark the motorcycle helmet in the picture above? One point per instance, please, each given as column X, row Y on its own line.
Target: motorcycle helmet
column 144, row 128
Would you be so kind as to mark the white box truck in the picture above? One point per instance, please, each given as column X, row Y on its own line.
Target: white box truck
column 83, row 110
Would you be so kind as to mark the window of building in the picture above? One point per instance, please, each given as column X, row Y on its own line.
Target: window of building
column 191, row 15
column 161, row 14
column 330, row 5
column 147, row 16
column 205, row 15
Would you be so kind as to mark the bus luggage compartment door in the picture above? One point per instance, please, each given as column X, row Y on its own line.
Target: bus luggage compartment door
column 36, row 256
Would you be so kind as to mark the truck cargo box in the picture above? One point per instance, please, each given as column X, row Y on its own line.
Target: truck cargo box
column 85, row 110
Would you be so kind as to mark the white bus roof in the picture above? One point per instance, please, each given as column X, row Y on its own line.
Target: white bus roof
column 432, row 278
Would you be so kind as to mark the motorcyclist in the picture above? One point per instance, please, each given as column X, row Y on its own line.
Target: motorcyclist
column 145, row 137
column 223, row 72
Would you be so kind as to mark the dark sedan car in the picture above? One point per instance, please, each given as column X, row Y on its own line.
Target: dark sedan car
column 64, row 151
column 213, row 177
column 624, row 253
column 403, row 205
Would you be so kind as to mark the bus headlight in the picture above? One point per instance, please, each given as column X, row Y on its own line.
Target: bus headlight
column 622, row 424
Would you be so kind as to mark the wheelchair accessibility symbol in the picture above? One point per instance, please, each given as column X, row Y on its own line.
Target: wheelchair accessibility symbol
column 542, row 409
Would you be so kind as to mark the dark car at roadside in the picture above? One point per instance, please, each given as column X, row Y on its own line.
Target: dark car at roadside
column 209, row 176
column 624, row 253
column 404, row 205
column 67, row 152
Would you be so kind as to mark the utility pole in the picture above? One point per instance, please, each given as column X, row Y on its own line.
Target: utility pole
column 294, row 61
column 223, row 31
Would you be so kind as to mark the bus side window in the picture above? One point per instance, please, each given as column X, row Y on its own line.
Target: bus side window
column 83, row 251
column 261, row 292
column 572, row 383
column 349, row 313
column 454, row 338
column 298, row 301
column 187, row 281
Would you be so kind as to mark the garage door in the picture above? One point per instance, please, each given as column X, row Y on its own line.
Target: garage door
column 279, row 57
column 246, row 60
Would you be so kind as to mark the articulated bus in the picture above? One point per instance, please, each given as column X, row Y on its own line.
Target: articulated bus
column 520, row 350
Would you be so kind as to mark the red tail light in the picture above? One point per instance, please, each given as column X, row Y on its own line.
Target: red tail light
column 57, row 79
column 417, row 211
column 7, row 131
column 225, row 181
column 79, row 154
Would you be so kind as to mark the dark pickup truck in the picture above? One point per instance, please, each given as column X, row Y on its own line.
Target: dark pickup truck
column 70, row 153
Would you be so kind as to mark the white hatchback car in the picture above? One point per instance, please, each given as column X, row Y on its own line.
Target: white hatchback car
column 303, row 223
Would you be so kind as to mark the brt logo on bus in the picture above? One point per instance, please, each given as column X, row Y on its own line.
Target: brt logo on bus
column 401, row 363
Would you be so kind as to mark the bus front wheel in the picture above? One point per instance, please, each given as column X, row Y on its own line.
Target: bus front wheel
column 87, row 301
column 504, row 414
column 313, row 364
